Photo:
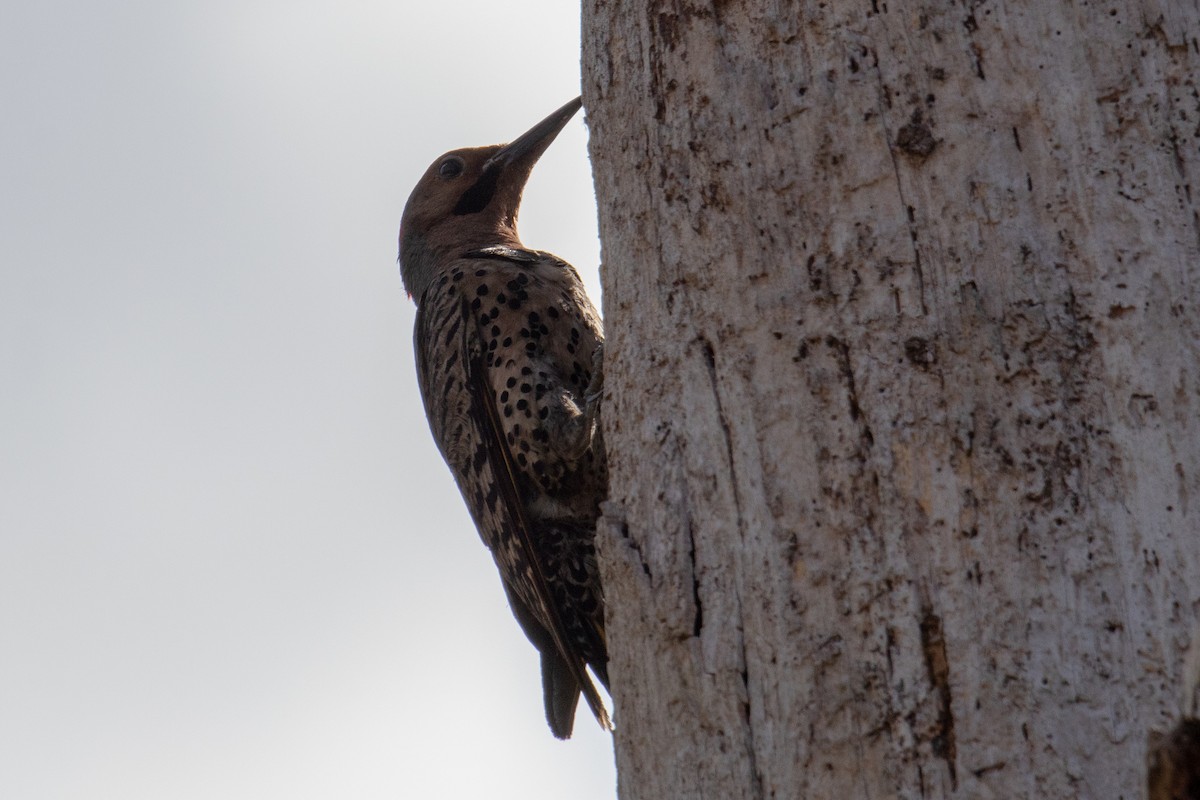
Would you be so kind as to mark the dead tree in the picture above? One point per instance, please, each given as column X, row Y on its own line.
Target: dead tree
column 903, row 408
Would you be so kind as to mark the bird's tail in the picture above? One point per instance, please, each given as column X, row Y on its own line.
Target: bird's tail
column 561, row 692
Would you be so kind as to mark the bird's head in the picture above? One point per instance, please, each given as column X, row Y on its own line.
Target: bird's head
column 469, row 198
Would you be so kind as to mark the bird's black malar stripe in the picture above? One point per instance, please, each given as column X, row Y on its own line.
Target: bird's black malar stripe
column 480, row 194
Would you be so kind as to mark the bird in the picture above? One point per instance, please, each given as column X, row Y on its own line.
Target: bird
column 509, row 354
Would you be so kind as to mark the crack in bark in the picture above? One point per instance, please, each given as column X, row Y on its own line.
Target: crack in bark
column 698, row 619
column 843, row 359
column 984, row 770
column 613, row 515
column 710, row 361
column 933, row 643
column 751, row 747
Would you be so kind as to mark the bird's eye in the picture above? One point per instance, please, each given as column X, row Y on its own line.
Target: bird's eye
column 451, row 167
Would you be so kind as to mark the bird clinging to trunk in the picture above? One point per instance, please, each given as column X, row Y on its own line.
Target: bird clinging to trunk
column 508, row 360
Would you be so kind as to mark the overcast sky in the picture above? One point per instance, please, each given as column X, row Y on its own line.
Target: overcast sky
column 232, row 564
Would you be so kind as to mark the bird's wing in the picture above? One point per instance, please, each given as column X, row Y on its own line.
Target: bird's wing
column 484, row 408
column 461, row 406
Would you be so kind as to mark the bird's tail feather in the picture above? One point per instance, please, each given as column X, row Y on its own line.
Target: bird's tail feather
column 560, row 691
column 561, row 694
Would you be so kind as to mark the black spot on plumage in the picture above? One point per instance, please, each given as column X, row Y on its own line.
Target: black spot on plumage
column 552, row 312
column 476, row 304
column 504, row 397
column 482, row 290
column 507, row 341
column 511, row 382
column 495, row 330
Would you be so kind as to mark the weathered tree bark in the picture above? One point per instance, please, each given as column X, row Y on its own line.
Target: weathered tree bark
column 903, row 404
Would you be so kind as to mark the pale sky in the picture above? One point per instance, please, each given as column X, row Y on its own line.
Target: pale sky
column 232, row 564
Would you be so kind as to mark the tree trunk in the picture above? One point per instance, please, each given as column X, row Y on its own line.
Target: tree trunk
column 903, row 406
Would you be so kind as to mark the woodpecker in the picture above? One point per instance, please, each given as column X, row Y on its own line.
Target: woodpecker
column 509, row 364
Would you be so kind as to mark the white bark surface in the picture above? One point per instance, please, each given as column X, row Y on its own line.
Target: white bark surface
column 903, row 407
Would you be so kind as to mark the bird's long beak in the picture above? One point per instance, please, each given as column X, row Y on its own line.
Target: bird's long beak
column 529, row 146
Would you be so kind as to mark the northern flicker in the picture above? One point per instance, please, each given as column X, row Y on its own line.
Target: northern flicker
column 508, row 348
